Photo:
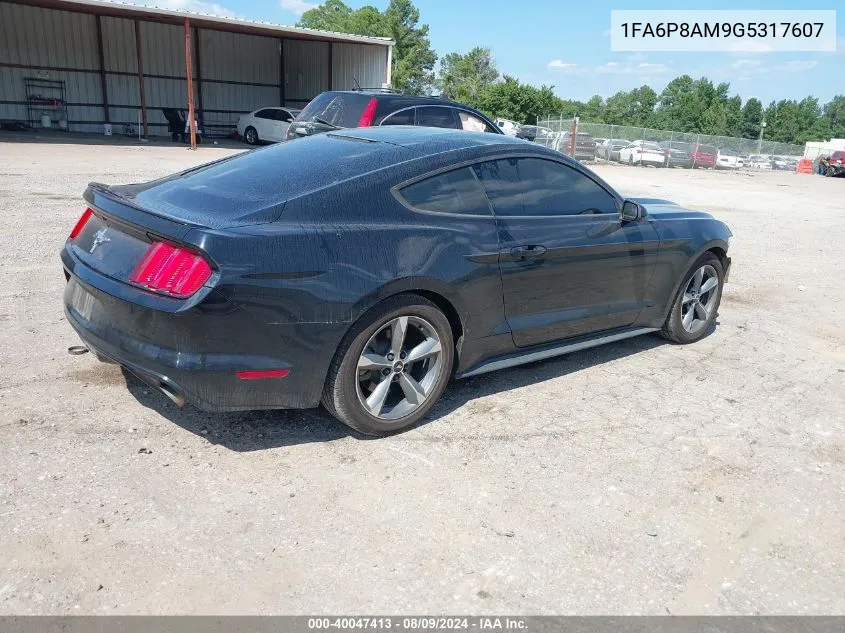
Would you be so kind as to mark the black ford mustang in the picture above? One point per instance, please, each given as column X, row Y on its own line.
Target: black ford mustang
column 365, row 268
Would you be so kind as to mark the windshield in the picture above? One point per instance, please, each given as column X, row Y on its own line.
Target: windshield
column 341, row 109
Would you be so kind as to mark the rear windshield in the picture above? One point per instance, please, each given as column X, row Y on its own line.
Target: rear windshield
column 252, row 187
column 706, row 149
column 342, row 109
column 650, row 146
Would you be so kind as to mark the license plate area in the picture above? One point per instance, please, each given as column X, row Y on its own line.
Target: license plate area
column 82, row 301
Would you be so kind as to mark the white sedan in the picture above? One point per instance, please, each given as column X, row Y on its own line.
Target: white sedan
column 643, row 153
column 266, row 124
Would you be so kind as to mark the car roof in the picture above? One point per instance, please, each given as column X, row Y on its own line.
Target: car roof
column 389, row 96
column 431, row 140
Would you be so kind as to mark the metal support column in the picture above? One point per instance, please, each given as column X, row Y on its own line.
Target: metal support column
column 140, row 61
column 189, row 75
column 102, row 58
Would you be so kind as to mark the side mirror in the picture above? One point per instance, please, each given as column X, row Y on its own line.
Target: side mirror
column 631, row 211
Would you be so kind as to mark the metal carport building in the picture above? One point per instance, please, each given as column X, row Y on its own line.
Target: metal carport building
column 120, row 64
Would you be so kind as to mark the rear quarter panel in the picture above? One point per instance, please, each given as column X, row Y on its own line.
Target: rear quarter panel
column 337, row 252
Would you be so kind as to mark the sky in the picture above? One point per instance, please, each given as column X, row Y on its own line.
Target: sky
column 554, row 43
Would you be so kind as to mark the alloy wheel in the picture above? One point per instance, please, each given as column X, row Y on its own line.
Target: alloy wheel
column 699, row 299
column 398, row 367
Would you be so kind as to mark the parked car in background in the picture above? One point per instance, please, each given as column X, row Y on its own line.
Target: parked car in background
column 585, row 146
column 755, row 161
column 598, row 141
column 511, row 128
column 678, row 154
column 728, row 159
column 336, row 110
column 609, row 149
column 781, row 163
column 266, row 124
column 366, row 268
column 532, row 132
column 642, row 153
column 704, row 156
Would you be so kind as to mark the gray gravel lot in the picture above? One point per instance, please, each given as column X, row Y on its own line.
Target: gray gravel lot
column 639, row 477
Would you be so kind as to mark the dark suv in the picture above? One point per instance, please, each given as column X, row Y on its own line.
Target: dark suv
column 334, row 110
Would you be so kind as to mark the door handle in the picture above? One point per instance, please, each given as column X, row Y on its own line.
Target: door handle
column 532, row 251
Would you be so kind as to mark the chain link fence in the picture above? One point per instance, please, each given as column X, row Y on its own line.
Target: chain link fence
column 557, row 133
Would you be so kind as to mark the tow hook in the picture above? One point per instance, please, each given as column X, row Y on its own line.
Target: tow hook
column 77, row 350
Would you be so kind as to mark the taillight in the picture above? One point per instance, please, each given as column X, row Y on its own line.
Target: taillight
column 80, row 223
column 171, row 270
column 369, row 114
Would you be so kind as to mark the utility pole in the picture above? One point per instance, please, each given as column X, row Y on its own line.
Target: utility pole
column 760, row 139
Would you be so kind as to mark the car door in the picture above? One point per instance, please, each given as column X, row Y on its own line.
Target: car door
column 285, row 119
column 569, row 265
column 263, row 123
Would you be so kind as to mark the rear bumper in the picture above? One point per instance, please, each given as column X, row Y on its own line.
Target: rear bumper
column 194, row 354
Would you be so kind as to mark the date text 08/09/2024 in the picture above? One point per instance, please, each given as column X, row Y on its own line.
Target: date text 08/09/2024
column 722, row 29
column 417, row 623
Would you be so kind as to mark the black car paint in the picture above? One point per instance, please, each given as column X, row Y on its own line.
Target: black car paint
column 285, row 290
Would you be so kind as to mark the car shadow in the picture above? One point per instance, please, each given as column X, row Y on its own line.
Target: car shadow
column 259, row 430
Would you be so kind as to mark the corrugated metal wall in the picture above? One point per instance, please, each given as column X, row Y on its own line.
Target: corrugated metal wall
column 306, row 71
column 253, row 62
column 240, row 73
column 362, row 62
column 31, row 36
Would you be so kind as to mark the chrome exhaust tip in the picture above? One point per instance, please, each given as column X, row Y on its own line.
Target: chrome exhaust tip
column 177, row 398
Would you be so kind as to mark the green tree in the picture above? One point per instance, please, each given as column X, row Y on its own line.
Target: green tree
column 465, row 77
column 733, row 116
column 413, row 57
column 752, row 117
column 521, row 102
column 834, row 112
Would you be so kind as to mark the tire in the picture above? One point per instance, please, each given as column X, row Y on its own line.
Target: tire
column 251, row 135
column 630, row 161
column 674, row 328
column 348, row 386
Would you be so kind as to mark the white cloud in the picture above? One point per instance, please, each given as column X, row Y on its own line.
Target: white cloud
column 797, row 65
column 628, row 68
column 297, row 7
column 194, row 6
column 746, row 64
column 559, row 64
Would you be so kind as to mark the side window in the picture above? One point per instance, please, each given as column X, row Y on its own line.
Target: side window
column 471, row 122
column 266, row 113
column 534, row 186
column 285, row 116
column 437, row 116
column 403, row 117
column 455, row 191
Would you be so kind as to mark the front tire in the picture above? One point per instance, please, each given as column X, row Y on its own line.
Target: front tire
column 391, row 367
column 251, row 135
column 697, row 302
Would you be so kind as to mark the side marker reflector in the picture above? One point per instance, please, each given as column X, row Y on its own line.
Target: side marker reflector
column 262, row 373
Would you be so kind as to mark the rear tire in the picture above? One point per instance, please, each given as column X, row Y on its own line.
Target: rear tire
column 697, row 302
column 251, row 135
column 365, row 366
